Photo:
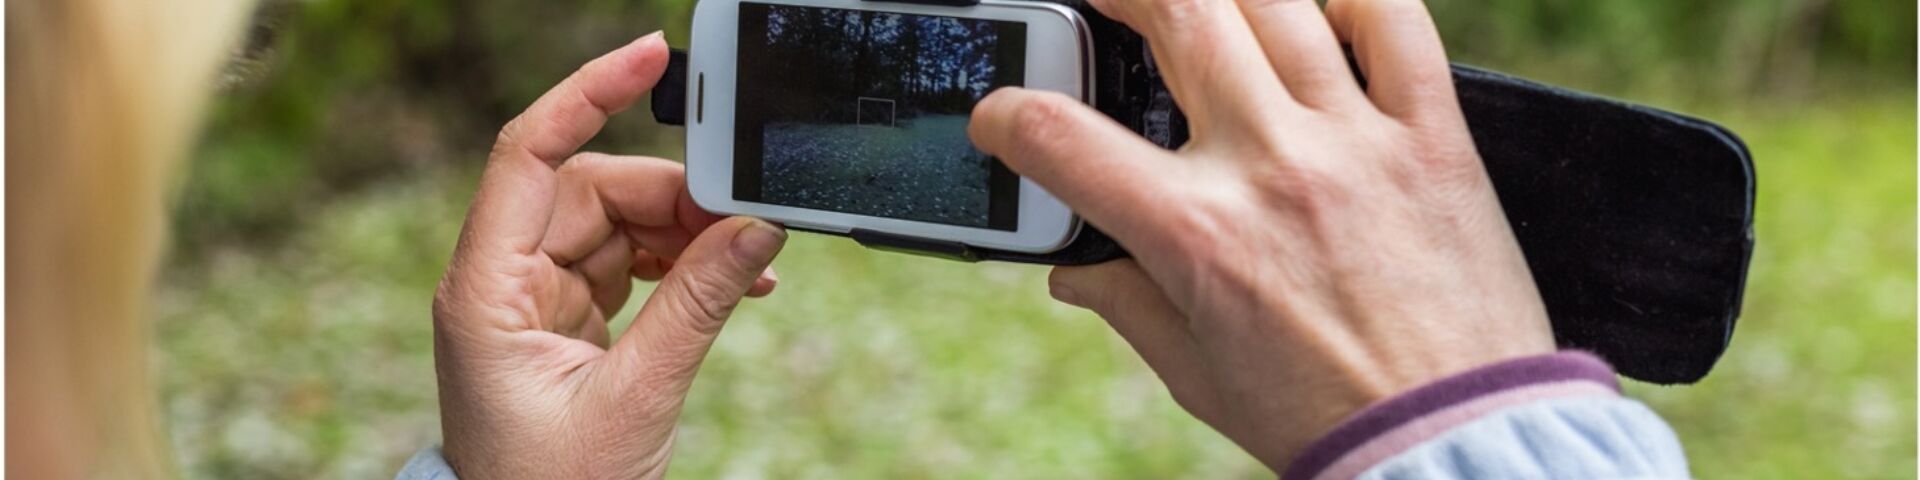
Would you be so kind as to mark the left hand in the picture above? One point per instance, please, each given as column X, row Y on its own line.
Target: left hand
column 529, row 385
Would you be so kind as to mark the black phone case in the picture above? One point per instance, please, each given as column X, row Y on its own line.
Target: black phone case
column 1636, row 222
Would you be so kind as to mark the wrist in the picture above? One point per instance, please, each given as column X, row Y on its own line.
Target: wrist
column 1328, row 390
column 1390, row 426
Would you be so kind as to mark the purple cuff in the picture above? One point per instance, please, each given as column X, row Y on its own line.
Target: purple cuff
column 1387, row 428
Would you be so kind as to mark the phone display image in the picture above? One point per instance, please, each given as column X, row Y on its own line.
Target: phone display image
column 866, row 113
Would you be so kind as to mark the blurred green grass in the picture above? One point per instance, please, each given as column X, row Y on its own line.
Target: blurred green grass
column 312, row 357
column 1819, row 382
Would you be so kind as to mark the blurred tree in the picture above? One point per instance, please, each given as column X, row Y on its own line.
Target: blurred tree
column 1724, row 49
column 331, row 95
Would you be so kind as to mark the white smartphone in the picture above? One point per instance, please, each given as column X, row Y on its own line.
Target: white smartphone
column 836, row 115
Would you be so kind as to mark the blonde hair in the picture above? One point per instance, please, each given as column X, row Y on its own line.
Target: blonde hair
column 102, row 99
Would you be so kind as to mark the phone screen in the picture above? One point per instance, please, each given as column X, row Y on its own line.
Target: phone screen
column 866, row 113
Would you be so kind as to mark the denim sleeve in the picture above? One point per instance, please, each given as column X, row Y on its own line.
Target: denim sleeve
column 426, row 465
column 1552, row 416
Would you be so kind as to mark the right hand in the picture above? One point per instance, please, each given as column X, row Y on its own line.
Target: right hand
column 1316, row 247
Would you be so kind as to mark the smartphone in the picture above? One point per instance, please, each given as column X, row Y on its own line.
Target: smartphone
column 836, row 115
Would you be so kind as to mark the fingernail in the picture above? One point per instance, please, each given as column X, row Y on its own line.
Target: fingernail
column 758, row 242
column 770, row 275
column 649, row 38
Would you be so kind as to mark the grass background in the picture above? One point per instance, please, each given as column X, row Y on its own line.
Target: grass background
column 293, row 329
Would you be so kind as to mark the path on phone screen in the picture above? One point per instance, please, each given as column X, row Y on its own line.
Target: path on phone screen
column 924, row 169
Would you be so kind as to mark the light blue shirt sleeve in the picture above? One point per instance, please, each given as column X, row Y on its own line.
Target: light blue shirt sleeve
column 426, row 465
column 1570, row 438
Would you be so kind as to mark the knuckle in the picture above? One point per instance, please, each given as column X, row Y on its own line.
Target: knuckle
column 452, row 291
column 709, row 301
column 1272, row 142
column 1449, row 164
column 1206, row 230
column 444, row 299
column 472, row 290
column 575, row 165
column 1177, row 13
column 1426, row 153
column 1446, row 154
column 1301, row 187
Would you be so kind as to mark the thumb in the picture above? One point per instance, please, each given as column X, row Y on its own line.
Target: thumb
column 1120, row 292
column 659, row 354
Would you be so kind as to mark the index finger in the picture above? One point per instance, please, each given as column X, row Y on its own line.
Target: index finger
column 1107, row 174
column 515, row 200
column 647, row 197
